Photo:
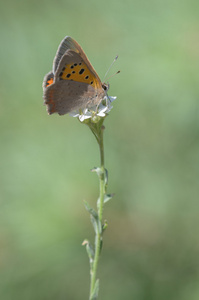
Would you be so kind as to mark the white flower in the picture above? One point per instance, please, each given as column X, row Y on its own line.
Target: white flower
column 102, row 110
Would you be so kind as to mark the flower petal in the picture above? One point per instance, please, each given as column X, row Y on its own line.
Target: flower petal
column 101, row 109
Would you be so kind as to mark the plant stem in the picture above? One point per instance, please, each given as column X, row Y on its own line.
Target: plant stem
column 98, row 236
column 102, row 177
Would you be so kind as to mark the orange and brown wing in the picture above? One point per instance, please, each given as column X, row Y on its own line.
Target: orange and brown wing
column 48, row 80
column 70, row 44
column 66, row 96
column 73, row 83
column 73, row 67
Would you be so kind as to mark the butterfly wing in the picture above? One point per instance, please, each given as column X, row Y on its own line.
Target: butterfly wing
column 70, row 44
column 48, row 80
column 73, row 84
column 73, row 67
column 66, row 96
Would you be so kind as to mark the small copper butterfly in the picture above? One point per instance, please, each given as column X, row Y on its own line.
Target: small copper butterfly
column 73, row 83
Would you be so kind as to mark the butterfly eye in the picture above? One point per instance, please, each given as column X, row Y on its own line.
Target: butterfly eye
column 105, row 86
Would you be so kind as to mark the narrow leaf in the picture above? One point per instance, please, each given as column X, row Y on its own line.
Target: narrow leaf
column 101, row 244
column 90, row 210
column 94, row 222
column 106, row 177
column 90, row 251
column 104, row 226
column 108, row 197
column 97, row 170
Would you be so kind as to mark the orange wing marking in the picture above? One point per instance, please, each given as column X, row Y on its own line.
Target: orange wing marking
column 49, row 82
column 78, row 72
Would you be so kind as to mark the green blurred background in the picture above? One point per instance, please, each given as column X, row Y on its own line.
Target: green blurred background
column 151, row 246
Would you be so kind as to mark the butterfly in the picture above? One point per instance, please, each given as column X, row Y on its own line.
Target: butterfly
column 73, row 83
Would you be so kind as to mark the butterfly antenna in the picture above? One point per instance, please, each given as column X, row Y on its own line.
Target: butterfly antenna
column 110, row 67
column 113, row 75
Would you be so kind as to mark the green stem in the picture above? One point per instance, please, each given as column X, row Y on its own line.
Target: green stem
column 98, row 237
column 102, row 177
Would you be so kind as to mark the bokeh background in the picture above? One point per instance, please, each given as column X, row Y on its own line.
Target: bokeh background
column 151, row 246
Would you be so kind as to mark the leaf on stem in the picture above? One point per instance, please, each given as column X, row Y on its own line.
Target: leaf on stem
column 97, row 170
column 106, row 178
column 94, row 218
column 105, row 225
column 101, row 244
column 95, row 222
column 90, row 210
column 89, row 249
column 108, row 197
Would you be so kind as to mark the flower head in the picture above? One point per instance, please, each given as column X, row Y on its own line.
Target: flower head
column 96, row 112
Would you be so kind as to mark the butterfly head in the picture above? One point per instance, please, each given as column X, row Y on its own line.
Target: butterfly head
column 105, row 86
